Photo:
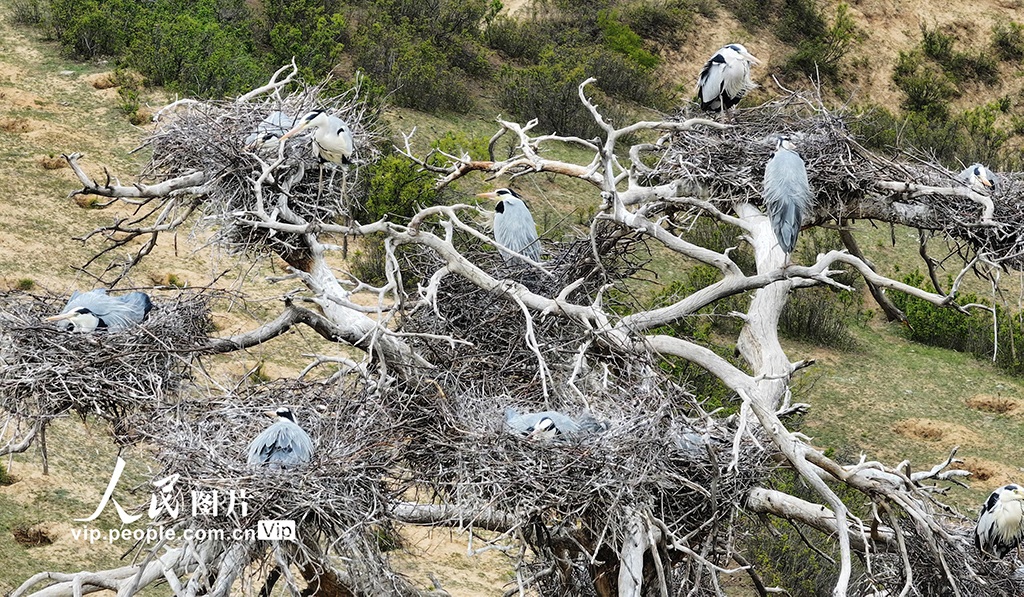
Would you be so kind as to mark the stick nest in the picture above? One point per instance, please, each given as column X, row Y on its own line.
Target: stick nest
column 662, row 455
column 211, row 137
column 45, row 371
column 340, row 500
column 727, row 166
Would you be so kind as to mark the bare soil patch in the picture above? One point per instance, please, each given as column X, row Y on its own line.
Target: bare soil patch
column 15, row 125
column 993, row 404
column 936, row 431
column 987, row 474
column 31, row 536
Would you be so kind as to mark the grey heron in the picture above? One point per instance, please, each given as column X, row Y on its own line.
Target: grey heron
column 978, row 177
column 332, row 138
column 284, row 444
column 268, row 132
column 787, row 194
column 550, row 424
column 513, row 225
column 89, row 311
column 1001, row 522
column 725, row 78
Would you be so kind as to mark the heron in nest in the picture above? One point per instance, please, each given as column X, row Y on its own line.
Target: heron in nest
column 332, row 141
column 513, row 225
column 1001, row 522
column 282, row 445
column 268, row 133
column 725, row 78
column 93, row 310
column 978, row 177
column 551, row 424
column 332, row 138
column 787, row 193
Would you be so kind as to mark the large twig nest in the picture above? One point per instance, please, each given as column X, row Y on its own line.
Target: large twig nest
column 46, row 371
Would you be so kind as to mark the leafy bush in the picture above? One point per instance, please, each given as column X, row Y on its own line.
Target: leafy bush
column 517, row 40
column 31, row 12
column 665, row 21
column 310, row 31
column 960, row 66
column 620, row 38
column 948, row 328
column 927, row 88
column 820, row 55
column 1008, row 40
column 414, row 70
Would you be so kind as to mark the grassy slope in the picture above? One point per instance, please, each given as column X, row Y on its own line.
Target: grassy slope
column 858, row 400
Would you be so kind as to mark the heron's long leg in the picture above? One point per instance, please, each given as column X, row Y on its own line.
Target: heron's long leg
column 320, row 185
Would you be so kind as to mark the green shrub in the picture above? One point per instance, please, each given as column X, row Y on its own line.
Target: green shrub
column 928, row 90
column 25, row 284
column 516, row 40
column 196, row 56
column 368, row 262
column 620, row 38
column 89, row 28
column 129, row 100
column 31, row 12
column 820, row 55
column 416, row 72
column 1008, row 40
column 973, row 333
column 664, row 20
column 960, row 66
column 397, row 186
column 308, row 30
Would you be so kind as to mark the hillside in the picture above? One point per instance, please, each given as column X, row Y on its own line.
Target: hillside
column 887, row 398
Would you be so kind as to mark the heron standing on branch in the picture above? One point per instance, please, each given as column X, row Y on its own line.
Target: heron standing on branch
column 89, row 311
column 787, row 194
column 1001, row 523
column 282, row 445
column 725, row 79
column 513, row 225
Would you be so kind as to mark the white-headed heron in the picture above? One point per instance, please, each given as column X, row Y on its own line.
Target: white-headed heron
column 1001, row 523
column 513, row 225
column 89, row 311
column 787, row 194
column 725, row 79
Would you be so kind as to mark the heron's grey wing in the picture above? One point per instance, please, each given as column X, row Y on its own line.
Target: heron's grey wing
column 139, row 302
column 787, row 195
column 589, row 424
column 276, row 122
column 516, row 229
column 519, row 423
column 283, row 443
column 84, row 299
column 564, row 423
column 965, row 174
column 123, row 312
column 340, row 128
column 712, row 82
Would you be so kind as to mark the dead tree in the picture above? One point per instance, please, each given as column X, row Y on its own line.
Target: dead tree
column 646, row 508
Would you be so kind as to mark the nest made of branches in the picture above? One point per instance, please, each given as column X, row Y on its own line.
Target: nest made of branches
column 661, row 453
column 46, row 371
column 340, row 501
column 211, row 136
column 727, row 166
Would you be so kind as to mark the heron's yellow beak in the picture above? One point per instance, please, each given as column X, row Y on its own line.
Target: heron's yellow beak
column 751, row 57
column 985, row 181
column 491, row 195
column 271, row 413
column 293, row 131
column 61, row 317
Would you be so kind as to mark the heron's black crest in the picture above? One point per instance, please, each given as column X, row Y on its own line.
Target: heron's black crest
column 717, row 58
column 285, row 413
